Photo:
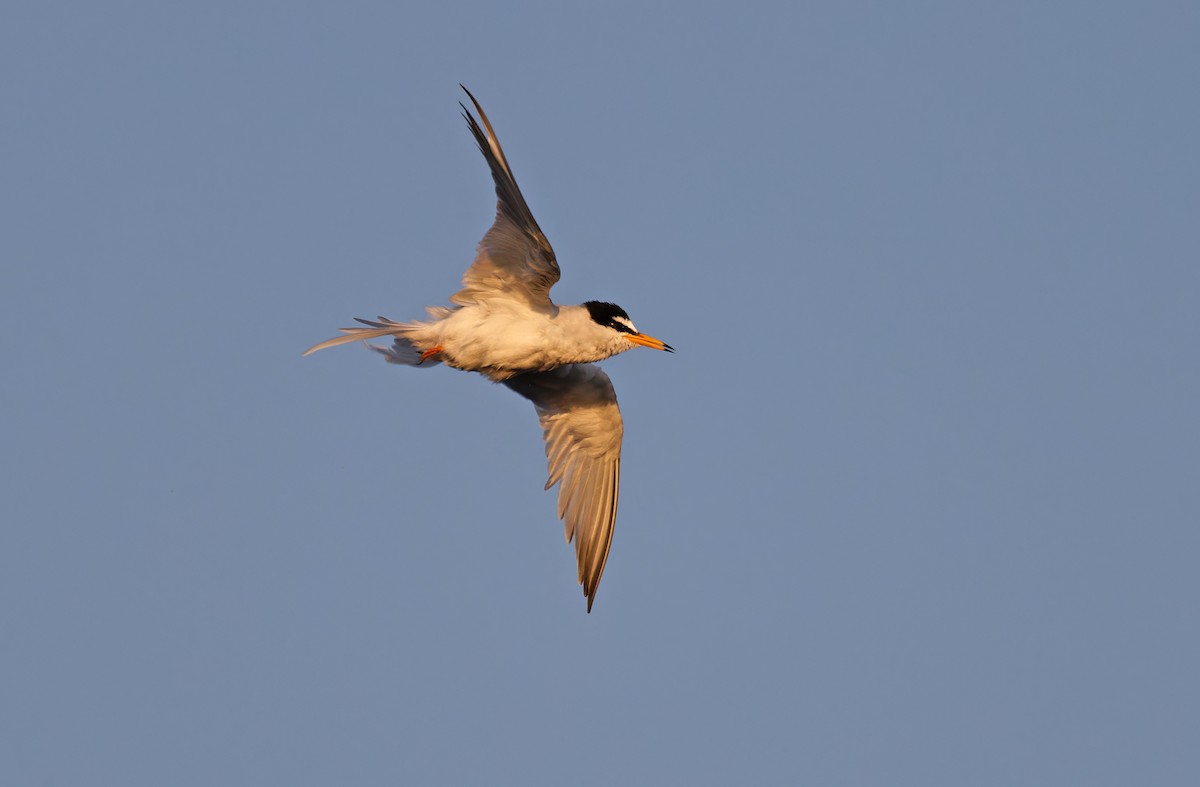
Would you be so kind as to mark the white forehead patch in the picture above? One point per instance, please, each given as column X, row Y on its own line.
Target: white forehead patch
column 626, row 323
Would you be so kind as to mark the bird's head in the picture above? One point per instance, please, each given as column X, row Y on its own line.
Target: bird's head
column 612, row 316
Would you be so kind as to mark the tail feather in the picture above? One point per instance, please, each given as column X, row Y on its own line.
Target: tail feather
column 384, row 322
column 384, row 327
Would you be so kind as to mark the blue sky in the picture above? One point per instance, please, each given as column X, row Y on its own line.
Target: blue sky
column 915, row 503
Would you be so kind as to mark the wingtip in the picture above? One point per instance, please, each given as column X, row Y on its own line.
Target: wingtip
column 471, row 96
column 482, row 115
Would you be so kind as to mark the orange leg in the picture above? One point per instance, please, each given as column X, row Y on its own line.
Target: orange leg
column 425, row 356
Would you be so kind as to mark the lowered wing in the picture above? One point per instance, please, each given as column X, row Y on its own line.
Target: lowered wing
column 582, row 426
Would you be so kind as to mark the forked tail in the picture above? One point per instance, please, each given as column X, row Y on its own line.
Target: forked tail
column 384, row 327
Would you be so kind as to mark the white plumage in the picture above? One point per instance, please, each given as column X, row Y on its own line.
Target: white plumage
column 504, row 326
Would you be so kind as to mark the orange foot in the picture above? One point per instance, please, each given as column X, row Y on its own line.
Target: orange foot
column 425, row 356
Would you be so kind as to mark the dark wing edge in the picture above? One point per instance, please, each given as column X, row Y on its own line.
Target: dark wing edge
column 515, row 244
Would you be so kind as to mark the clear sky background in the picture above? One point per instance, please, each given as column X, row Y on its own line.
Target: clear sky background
column 917, row 502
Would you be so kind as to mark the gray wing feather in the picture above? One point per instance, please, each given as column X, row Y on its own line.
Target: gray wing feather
column 514, row 259
column 582, row 427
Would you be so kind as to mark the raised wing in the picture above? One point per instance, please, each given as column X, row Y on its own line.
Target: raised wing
column 514, row 259
column 582, row 427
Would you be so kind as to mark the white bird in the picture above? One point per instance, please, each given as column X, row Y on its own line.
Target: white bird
column 504, row 326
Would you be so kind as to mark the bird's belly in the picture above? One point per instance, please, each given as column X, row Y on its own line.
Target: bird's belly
column 498, row 348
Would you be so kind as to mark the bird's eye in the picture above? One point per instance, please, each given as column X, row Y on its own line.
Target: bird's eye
column 623, row 325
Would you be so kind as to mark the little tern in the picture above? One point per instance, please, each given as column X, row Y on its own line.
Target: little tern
column 503, row 325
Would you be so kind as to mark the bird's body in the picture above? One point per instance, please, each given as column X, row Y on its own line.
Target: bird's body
column 504, row 326
column 500, row 339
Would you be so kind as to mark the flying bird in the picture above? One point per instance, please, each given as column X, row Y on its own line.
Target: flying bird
column 503, row 325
